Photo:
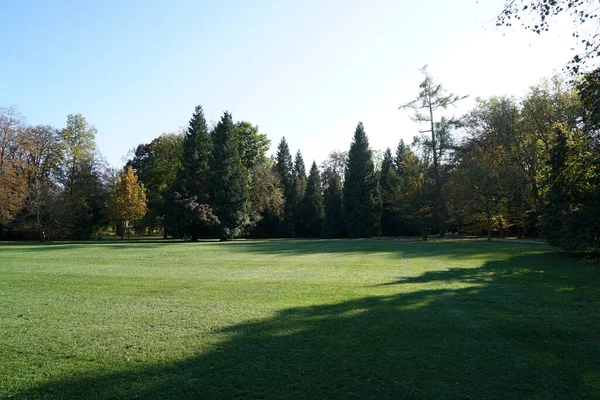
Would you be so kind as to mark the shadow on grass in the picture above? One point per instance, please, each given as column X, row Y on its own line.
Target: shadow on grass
column 525, row 327
column 402, row 247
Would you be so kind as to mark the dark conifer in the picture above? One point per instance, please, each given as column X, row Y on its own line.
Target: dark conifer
column 285, row 169
column 333, row 225
column 311, row 208
column 362, row 202
column 229, row 181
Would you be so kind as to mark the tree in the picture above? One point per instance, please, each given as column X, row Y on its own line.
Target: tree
column 157, row 164
column 300, row 191
column 333, row 223
column 476, row 184
column 266, row 199
column 191, row 192
column 311, row 209
column 399, row 157
column 570, row 219
column 388, row 217
column 285, row 169
column 128, row 199
column 79, row 147
column 589, row 94
column 13, row 183
column 495, row 126
column 537, row 15
column 336, row 162
column 229, row 181
column 432, row 98
column 252, row 145
column 85, row 195
column 362, row 201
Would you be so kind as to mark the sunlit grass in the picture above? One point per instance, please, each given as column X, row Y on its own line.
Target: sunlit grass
column 378, row 318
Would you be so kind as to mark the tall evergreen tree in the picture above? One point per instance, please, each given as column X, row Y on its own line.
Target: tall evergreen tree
column 362, row 201
column 333, row 224
column 386, row 166
column 191, row 203
column 311, row 210
column 388, row 211
column 285, row 169
column 399, row 157
column 431, row 99
column 299, row 176
column 300, row 188
column 229, row 180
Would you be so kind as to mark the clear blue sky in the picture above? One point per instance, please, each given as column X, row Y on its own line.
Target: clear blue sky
column 307, row 70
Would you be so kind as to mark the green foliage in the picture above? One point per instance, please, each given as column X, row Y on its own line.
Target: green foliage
column 266, row 200
column 157, row 164
column 188, row 199
column 333, row 223
column 285, row 169
column 84, row 210
column 437, row 142
column 589, row 94
column 253, row 145
column 387, row 165
column 399, row 157
column 229, row 181
column 311, row 210
column 571, row 216
column 362, row 201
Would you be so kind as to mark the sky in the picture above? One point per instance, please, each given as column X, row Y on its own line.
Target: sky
column 307, row 70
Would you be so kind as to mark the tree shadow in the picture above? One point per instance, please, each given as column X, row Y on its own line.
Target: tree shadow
column 523, row 327
column 408, row 248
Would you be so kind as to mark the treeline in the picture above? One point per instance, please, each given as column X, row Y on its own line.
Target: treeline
column 526, row 167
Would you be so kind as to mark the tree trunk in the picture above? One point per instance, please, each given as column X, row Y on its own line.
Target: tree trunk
column 489, row 226
column 165, row 232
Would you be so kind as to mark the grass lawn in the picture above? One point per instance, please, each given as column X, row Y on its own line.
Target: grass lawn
column 297, row 319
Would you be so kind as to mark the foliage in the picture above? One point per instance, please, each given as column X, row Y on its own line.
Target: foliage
column 191, row 205
column 333, row 222
column 156, row 165
column 229, row 181
column 537, row 15
column 285, row 169
column 128, row 199
column 266, row 199
column 311, row 210
column 336, row 162
column 253, row 145
column 432, row 98
column 570, row 220
column 362, row 201
column 13, row 184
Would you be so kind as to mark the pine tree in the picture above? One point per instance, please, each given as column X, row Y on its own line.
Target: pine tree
column 299, row 176
column 191, row 202
column 300, row 188
column 333, row 224
column 362, row 201
column 285, row 169
column 386, row 166
column 388, row 217
column 311, row 209
column 229, row 181
column 128, row 199
column 399, row 159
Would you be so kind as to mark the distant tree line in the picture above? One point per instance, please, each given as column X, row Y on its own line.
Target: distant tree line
column 524, row 167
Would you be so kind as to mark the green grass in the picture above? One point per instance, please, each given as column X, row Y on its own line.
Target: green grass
column 297, row 319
